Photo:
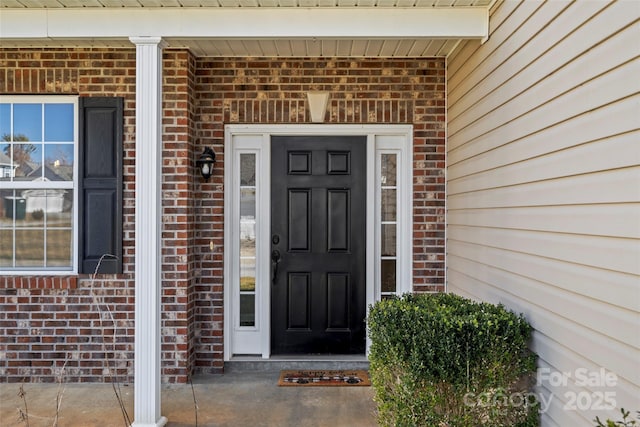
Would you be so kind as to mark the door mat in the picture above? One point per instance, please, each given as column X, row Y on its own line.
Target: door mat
column 310, row 378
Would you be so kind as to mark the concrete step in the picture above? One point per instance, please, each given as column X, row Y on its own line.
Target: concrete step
column 249, row 364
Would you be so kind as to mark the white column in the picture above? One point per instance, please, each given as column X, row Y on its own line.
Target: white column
column 148, row 217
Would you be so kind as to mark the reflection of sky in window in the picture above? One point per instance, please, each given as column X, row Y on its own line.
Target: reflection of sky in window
column 36, row 155
column 60, row 152
column 58, row 122
column 27, row 120
column 5, row 120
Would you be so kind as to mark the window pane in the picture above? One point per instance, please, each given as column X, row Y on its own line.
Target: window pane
column 388, row 166
column 30, row 248
column 6, row 247
column 27, row 160
column 7, row 208
column 247, row 239
column 388, row 197
column 248, row 169
column 388, row 275
column 59, row 162
column 388, row 238
column 59, row 248
column 247, row 310
column 27, row 122
column 59, row 208
column 248, row 274
column 14, row 208
column 6, row 167
column 247, row 203
column 58, row 122
column 5, row 122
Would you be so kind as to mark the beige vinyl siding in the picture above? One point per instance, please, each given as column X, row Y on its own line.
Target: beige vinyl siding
column 543, row 186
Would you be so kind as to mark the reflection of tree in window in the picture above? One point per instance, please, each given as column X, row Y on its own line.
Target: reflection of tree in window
column 21, row 152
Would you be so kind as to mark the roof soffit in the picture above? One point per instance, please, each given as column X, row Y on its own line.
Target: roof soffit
column 252, row 31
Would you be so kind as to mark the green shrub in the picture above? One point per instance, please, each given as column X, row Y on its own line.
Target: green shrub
column 446, row 361
column 625, row 422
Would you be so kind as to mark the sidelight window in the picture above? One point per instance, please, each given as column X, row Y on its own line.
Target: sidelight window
column 393, row 215
column 388, row 223
column 247, row 239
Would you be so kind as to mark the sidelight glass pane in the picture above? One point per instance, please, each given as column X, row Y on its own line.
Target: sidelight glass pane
column 247, row 310
column 389, row 204
column 388, row 166
column 247, row 274
column 247, row 169
column 247, row 221
column 388, row 275
column 247, row 203
column 247, row 239
column 388, row 239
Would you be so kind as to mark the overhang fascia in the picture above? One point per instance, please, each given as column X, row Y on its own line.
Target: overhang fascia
column 245, row 23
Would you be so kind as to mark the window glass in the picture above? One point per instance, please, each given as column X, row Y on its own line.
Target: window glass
column 59, row 253
column 6, row 247
column 5, row 122
column 27, row 122
column 27, row 160
column 388, row 169
column 388, row 223
column 29, row 247
column 58, row 162
column 58, row 122
column 37, row 181
column 247, row 196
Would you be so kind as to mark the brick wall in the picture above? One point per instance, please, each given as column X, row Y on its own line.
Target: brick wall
column 268, row 90
column 84, row 324
column 47, row 323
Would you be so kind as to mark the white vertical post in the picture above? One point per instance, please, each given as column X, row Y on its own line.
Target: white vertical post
column 147, row 228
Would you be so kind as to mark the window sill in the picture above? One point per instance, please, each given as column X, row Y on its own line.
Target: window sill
column 50, row 281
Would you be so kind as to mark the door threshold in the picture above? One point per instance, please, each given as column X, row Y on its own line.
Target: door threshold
column 250, row 363
column 301, row 358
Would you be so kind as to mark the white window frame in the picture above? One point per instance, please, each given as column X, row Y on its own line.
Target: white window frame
column 50, row 185
column 396, row 139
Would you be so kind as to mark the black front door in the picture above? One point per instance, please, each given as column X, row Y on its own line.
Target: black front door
column 318, row 212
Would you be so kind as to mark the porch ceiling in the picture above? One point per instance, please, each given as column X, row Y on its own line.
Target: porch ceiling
column 241, row 28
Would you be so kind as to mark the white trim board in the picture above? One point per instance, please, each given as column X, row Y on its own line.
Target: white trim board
column 252, row 23
column 255, row 341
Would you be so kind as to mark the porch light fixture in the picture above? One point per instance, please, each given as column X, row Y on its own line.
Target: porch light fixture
column 205, row 162
column 317, row 105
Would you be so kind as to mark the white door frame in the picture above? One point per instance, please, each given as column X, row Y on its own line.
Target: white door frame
column 256, row 341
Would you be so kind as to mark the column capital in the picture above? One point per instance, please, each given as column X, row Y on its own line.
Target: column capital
column 149, row 40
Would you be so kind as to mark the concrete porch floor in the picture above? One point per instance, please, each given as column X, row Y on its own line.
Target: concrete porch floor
column 235, row 399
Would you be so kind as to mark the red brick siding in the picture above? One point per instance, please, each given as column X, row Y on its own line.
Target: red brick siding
column 53, row 321
column 269, row 90
column 67, row 321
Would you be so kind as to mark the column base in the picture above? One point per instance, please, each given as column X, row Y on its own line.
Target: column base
column 160, row 423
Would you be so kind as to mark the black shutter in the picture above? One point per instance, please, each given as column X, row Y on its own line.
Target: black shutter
column 100, row 184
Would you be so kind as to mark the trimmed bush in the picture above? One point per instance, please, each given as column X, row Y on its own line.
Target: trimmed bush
column 443, row 360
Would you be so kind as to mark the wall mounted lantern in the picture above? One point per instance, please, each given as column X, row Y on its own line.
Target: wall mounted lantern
column 205, row 162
